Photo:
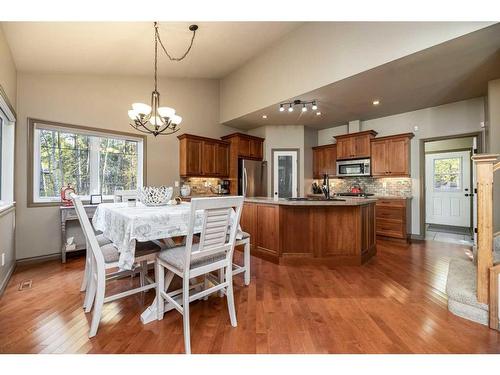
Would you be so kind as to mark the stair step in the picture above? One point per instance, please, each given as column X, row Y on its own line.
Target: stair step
column 461, row 288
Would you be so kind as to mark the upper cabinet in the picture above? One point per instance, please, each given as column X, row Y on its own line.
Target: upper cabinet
column 391, row 155
column 324, row 160
column 354, row 145
column 246, row 146
column 200, row 156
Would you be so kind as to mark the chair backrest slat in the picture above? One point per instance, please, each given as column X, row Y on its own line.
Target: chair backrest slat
column 88, row 231
column 123, row 195
column 221, row 217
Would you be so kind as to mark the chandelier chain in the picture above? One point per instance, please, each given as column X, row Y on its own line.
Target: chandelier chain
column 157, row 35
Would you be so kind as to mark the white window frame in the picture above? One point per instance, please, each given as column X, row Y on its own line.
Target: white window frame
column 7, row 156
column 94, row 158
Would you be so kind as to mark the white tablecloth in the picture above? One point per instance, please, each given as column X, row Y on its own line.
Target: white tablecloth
column 123, row 224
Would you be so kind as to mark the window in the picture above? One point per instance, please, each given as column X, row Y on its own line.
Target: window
column 7, row 121
column 91, row 161
column 448, row 174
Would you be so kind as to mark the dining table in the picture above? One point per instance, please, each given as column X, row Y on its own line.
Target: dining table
column 124, row 225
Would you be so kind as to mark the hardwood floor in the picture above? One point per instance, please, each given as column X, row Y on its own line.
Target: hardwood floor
column 395, row 303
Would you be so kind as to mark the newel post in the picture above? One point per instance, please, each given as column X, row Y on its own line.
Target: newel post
column 484, row 173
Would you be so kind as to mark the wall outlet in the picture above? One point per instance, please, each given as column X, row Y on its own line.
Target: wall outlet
column 176, row 183
column 3, row 259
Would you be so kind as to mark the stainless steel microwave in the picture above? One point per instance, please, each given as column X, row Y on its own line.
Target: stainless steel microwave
column 347, row 168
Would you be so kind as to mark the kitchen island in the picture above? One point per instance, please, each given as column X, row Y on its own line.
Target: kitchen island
column 317, row 231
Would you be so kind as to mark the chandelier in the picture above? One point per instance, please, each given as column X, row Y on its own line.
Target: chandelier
column 154, row 119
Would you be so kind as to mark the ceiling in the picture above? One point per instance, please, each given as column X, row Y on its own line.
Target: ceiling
column 455, row 70
column 126, row 48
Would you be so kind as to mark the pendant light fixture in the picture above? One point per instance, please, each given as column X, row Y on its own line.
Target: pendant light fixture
column 154, row 119
column 303, row 103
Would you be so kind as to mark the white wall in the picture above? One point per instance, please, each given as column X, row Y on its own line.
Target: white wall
column 103, row 101
column 8, row 78
column 449, row 119
column 320, row 53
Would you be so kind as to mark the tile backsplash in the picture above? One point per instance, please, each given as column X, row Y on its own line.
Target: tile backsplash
column 386, row 186
column 201, row 185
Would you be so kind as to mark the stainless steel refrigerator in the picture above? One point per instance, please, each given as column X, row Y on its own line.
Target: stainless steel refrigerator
column 252, row 178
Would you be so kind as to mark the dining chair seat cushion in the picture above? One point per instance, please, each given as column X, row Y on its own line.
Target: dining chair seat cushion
column 243, row 236
column 102, row 240
column 177, row 256
column 111, row 254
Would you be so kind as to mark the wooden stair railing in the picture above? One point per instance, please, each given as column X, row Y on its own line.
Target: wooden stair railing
column 487, row 274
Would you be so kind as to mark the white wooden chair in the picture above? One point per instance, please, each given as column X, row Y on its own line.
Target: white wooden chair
column 124, row 195
column 214, row 252
column 105, row 258
column 237, row 269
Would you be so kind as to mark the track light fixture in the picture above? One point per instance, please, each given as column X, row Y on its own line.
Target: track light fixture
column 304, row 104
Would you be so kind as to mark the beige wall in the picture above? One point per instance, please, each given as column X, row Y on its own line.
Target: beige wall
column 284, row 137
column 494, row 142
column 450, row 119
column 103, row 101
column 449, row 144
column 8, row 78
column 320, row 53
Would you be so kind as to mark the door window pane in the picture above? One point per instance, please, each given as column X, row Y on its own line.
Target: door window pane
column 448, row 174
column 285, row 176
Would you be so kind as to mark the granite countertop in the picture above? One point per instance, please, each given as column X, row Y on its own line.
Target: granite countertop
column 285, row 202
column 376, row 196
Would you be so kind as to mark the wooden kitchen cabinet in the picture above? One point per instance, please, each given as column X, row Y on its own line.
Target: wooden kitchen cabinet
column 393, row 218
column 261, row 221
column 355, row 145
column 324, row 160
column 246, row 146
column 222, row 160
column 203, row 157
column 391, row 156
column 242, row 146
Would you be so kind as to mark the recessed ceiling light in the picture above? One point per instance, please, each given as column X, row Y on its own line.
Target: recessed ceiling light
column 264, row 116
column 318, row 113
column 376, row 102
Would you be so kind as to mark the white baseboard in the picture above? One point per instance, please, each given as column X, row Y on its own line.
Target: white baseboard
column 6, row 279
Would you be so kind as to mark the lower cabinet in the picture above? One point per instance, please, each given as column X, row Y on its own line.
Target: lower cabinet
column 262, row 223
column 393, row 218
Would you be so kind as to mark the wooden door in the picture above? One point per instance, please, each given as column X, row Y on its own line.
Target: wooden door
column 222, row 160
column 209, row 157
column 361, row 146
column 344, row 148
column 398, row 157
column 193, row 157
column 244, row 147
column 379, row 158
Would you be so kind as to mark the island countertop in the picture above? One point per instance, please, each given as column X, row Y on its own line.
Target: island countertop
column 285, row 202
column 337, row 232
